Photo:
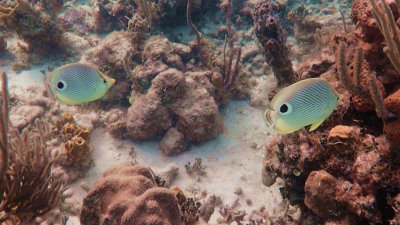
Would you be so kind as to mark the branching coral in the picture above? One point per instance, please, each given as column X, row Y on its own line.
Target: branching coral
column 388, row 26
column 29, row 189
column 353, row 85
column 199, row 38
column 229, row 76
column 197, row 168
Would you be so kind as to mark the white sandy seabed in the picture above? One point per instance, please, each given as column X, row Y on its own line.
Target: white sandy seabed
column 233, row 159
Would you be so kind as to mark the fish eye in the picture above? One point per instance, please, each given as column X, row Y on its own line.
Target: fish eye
column 61, row 85
column 337, row 98
column 104, row 81
column 285, row 109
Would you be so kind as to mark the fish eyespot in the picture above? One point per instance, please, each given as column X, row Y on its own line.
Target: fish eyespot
column 285, row 109
column 61, row 85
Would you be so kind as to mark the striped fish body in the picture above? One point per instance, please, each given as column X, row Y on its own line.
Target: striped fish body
column 77, row 83
column 307, row 102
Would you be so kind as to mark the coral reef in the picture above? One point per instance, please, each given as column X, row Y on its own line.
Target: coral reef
column 167, row 80
column 168, row 95
column 273, row 38
column 346, row 172
column 28, row 187
column 312, row 168
column 30, row 25
column 128, row 194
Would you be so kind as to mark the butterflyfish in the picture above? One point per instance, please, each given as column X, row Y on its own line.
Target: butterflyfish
column 307, row 102
column 77, row 83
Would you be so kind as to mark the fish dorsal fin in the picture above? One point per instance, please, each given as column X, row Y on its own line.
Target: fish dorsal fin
column 285, row 93
column 316, row 125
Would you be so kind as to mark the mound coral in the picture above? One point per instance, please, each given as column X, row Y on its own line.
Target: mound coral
column 147, row 118
column 28, row 187
column 129, row 194
column 164, row 96
column 273, row 38
column 109, row 57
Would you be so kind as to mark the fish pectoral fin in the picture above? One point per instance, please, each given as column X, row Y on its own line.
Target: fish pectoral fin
column 316, row 125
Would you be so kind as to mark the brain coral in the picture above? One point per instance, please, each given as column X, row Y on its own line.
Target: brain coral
column 128, row 194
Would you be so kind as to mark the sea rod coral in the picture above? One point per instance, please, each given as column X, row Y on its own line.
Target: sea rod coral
column 28, row 187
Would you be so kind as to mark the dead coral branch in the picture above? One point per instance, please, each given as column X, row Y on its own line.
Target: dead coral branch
column 3, row 131
column 229, row 74
column 198, row 35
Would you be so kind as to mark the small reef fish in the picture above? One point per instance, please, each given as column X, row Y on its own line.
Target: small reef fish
column 77, row 83
column 307, row 102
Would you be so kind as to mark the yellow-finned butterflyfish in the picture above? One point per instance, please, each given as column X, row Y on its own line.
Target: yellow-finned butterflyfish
column 77, row 83
column 307, row 102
